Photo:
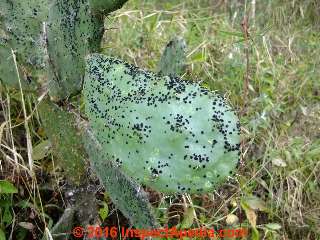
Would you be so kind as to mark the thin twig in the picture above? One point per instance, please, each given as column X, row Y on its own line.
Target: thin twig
column 253, row 12
column 14, row 152
column 245, row 29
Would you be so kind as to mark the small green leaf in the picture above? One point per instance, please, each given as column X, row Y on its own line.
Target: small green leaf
column 21, row 233
column 5, row 202
column 314, row 152
column 104, row 211
column 255, row 234
column 198, row 57
column 7, row 216
column 23, row 204
column 273, row 226
column 188, row 218
column 228, row 33
column 7, row 187
column 2, row 235
column 41, row 150
column 254, row 203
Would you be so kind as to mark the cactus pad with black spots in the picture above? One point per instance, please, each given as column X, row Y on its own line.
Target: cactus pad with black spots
column 73, row 32
column 126, row 194
column 61, row 129
column 21, row 24
column 170, row 134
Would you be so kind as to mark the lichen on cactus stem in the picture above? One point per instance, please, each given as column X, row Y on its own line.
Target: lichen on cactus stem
column 169, row 134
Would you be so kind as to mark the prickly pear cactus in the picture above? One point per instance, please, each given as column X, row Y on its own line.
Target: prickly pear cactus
column 20, row 30
column 8, row 72
column 173, row 59
column 61, row 129
column 73, row 32
column 170, row 134
column 50, row 40
column 127, row 195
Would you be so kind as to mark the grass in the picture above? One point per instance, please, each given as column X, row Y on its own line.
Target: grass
column 276, row 190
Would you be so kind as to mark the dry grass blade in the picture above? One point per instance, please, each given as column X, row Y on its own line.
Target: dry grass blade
column 26, row 125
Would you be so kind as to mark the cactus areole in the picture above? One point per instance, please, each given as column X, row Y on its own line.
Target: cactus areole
column 169, row 134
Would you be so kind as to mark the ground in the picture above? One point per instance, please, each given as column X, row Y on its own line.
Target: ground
column 270, row 76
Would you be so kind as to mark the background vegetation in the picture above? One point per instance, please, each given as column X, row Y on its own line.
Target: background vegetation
column 276, row 190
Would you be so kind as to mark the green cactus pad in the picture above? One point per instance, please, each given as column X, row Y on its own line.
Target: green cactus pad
column 73, row 32
column 20, row 29
column 126, row 194
column 170, row 134
column 173, row 59
column 66, row 141
column 8, row 72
